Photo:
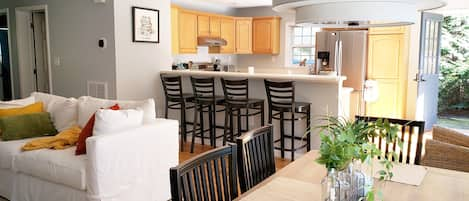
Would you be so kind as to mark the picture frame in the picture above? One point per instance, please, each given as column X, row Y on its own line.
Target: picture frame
column 145, row 25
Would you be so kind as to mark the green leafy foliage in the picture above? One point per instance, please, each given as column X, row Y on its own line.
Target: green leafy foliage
column 454, row 68
column 343, row 141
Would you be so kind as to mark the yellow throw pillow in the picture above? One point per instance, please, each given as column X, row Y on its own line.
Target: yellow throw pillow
column 29, row 109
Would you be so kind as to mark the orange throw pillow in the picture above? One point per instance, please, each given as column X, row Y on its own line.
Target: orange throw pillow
column 29, row 109
column 87, row 131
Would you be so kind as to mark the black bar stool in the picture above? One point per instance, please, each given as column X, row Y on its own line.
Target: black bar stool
column 175, row 99
column 281, row 99
column 237, row 99
column 204, row 98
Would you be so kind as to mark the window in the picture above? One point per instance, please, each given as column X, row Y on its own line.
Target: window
column 303, row 42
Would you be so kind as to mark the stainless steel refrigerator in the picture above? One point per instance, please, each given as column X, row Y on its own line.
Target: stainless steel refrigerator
column 344, row 53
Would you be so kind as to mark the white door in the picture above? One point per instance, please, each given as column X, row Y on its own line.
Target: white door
column 428, row 73
column 40, row 52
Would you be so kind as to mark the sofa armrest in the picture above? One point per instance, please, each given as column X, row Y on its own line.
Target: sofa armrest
column 444, row 155
column 134, row 164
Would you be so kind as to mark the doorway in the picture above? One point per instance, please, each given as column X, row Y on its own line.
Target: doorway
column 453, row 98
column 6, row 92
column 33, row 50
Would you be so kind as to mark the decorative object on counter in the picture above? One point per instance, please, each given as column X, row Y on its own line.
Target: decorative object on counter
column 146, row 25
column 345, row 144
column 251, row 69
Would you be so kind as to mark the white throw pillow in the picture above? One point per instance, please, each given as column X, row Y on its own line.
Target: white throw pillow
column 87, row 106
column 111, row 121
column 63, row 111
column 17, row 103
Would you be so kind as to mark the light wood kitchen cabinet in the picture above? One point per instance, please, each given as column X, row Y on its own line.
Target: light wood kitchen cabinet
column 266, row 35
column 215, row 30
column 244, row 35
column 187, row 32
column 203, row 25
column 174, row 29
column 227, row 32
column 388, row 65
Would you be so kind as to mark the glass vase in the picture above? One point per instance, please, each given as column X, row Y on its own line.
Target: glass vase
column 336, row 186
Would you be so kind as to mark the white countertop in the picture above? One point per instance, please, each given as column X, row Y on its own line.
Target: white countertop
column 295, row 77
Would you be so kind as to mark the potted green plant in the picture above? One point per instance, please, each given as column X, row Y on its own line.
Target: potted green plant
column 344, row 141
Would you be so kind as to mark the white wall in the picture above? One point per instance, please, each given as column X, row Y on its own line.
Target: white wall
column 75, row 27
column 138, row 64
column 266, row 61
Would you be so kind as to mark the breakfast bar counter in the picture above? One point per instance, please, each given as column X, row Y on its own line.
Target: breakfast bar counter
column 325, row 93
column 275, row 76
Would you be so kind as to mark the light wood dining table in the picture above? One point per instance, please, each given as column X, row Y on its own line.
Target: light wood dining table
column 300, row 181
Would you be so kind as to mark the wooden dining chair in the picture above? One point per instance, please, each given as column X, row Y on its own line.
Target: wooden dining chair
column 409, row 130
column 209, row 176
column 256, row 159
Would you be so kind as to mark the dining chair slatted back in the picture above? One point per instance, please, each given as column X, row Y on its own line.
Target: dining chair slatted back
column 410, row 132
column 280, row 95
column 211, row 176
column 235, row 90
column 256, row 160
column 204, row 89
column 172, row 86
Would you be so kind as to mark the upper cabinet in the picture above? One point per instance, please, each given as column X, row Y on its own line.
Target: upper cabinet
column 244, row 35
column 203, row 25
column 184, row 31
column 227, row 32
column 266, row 35
column 215, row 23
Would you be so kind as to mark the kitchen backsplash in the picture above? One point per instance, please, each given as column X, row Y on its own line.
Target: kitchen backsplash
column 203, row 56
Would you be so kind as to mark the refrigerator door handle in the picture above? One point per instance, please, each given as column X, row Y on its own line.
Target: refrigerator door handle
column 336, row 55
column 339, row 69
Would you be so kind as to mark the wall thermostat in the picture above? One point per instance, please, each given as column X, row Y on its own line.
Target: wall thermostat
column 102, row 43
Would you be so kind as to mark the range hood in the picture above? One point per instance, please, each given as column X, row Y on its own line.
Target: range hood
column 356, row 13
column 211, row 41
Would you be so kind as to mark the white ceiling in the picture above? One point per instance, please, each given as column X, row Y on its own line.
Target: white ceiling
column 239, row 3
column 452, row 4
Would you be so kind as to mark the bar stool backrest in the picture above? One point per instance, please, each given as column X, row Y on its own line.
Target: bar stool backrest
column 235, row 90
column 172, row 86
column 280, row 95
column 204, row 89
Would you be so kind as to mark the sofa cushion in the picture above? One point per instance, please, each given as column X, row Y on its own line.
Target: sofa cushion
column 17, row 103
column 33, row 108
column 26, row 126
column 58, row 166
column 64, row 111
column 87, row 132
column 8, row 151
column 87, row 106
column 112, row 121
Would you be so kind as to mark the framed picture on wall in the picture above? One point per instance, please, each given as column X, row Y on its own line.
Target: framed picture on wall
column 146, row 25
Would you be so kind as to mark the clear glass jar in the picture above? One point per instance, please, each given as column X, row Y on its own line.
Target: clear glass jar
column 336, row 186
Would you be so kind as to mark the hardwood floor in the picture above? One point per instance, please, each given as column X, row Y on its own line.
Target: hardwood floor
column 198, row 149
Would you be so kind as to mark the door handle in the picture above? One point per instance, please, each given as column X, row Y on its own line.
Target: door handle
column 419, row 78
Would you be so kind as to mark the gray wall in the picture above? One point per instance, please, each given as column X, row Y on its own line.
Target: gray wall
column 75, row 27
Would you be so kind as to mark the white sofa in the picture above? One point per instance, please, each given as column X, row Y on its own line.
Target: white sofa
column 132, row 165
